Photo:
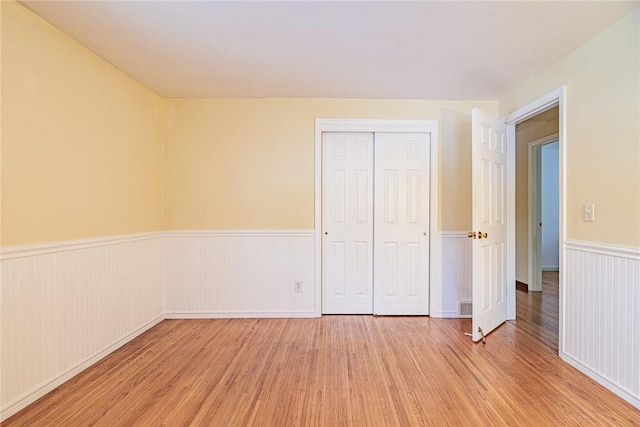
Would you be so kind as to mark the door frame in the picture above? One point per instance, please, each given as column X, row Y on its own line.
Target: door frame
column 557, row 97
column 366, row 125
column 535, row 203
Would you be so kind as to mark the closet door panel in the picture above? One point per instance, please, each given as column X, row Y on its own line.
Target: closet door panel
column 347, row 200
column 401, row 224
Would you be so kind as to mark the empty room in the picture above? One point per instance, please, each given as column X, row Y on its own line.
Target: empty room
column 233, row 213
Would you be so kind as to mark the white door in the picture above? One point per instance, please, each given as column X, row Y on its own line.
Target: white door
column 347, row 200
column 489, row 219
column 401, row 232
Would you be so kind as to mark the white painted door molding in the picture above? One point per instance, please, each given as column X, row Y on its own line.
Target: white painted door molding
column 535, row 213
column 557, row 97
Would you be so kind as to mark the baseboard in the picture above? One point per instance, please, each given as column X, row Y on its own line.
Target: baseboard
column 551, row 268
column 614, row 388
column 447, row 315
column 522, row 287
column 240, row 315
column 33, row 395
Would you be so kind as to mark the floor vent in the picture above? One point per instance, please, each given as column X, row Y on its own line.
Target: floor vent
column 465, row 308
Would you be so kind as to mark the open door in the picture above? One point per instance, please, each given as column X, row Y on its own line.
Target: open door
column 489, row 219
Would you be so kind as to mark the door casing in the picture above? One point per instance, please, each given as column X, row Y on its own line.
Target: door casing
column 557, row 97
column 360, row 125
column 534, row 246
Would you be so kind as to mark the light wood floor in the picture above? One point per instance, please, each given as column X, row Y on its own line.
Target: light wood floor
column 331, row 371
column 537, row 313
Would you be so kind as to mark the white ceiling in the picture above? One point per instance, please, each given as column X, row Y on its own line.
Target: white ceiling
column 327, row 49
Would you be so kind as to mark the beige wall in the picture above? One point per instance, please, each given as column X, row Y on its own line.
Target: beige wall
column 81, row 141
column 82, row 148
column 535, row 128
column 603, row 131
column 82, row 152
column 249, row 163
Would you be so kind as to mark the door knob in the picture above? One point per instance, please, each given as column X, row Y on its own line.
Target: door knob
column 471, row 234
column 482, row 235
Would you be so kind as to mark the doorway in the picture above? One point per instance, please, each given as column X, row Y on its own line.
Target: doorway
column 374, row 256
column 537, row 226
column 543, row 196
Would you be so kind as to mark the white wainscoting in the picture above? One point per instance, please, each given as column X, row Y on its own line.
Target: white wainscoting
column 66, row 306
column 239, row 274
column 602, row 315
column 455, row 274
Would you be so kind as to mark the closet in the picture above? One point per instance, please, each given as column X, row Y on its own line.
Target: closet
column 375, row 223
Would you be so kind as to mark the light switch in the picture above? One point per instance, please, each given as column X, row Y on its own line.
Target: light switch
column 590, row 212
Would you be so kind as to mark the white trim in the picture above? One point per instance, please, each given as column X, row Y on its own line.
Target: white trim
column 12, row 252
column 557, row 97
column 544, row 141
column 448, row 315
column 534, row 215
column 534, row 276
column 365, row 125
column 36, row 393
column 453, row 234
column 239, row 315
column 613, row 387
column 628, row 252
column 360, row 125
column 536, row 107
column 511, row 222
column 238, row 233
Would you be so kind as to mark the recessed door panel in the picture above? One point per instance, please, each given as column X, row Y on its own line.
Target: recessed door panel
column 361, row 268
column 337, row 272
column 390, row 269
column 413, row 196
column 391, row 196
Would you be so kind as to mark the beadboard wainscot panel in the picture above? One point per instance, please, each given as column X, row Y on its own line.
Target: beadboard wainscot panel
column 211, row 274
column 66, row 305
column 455, row 274
column 602, row 315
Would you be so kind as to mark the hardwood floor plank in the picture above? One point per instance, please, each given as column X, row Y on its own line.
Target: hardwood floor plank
column 332, row 371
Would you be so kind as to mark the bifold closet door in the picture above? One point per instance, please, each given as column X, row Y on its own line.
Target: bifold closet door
column 401, row 228
column 347, row 201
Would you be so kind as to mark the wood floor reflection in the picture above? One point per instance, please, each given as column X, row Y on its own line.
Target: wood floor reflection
column 537, row 313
